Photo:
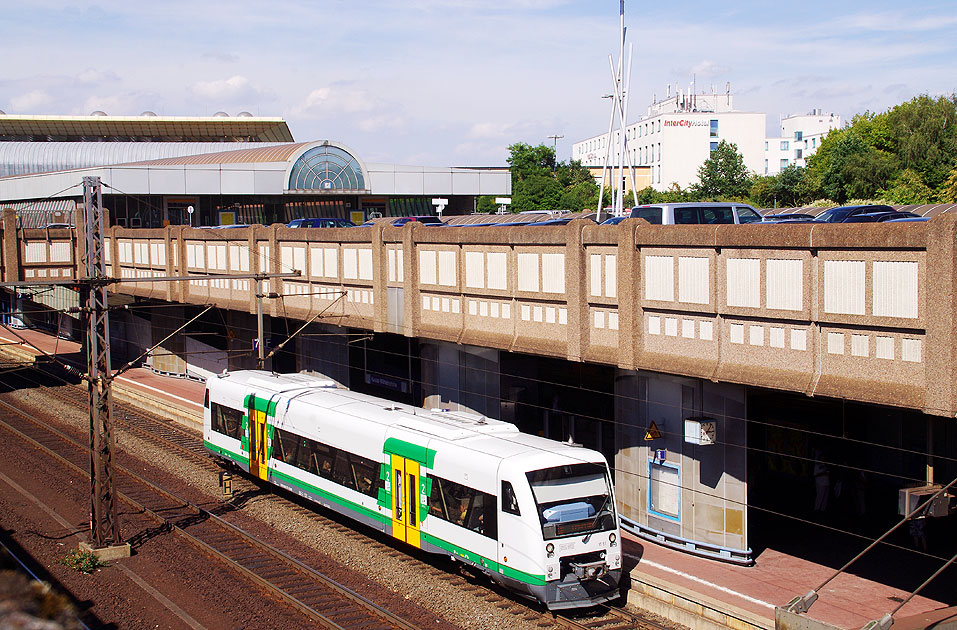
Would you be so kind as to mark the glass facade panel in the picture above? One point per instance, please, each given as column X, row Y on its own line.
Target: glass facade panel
column 714, row 128
column 326, row 168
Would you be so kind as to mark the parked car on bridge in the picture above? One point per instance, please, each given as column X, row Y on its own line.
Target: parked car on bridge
column 880, row 217
column 841, row 213
column 399, row 221
column 614, row 220
column 320, row 222
column 789, row 217
column 696, row 212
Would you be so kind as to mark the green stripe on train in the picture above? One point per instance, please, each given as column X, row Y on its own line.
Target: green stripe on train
column 507, row 571
column 256, row 403
column 461, row 552
column 225, row 452
column 355, row 507
column 411, row 451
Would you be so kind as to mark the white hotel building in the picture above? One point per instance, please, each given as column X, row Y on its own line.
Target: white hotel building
column 678, row 134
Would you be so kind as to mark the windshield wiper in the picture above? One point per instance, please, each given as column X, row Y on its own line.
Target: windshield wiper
column 600, row 510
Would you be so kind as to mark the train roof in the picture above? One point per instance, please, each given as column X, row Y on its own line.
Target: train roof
column 487, row 435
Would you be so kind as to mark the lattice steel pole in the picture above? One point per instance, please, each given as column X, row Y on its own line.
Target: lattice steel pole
column 104, row 523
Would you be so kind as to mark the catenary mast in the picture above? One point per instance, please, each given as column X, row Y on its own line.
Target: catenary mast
column 619, row 112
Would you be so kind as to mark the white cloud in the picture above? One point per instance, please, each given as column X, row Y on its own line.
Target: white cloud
column 31, row 101
column 894, row 21
column 338, row 98
column 236, row 87
column 92, row 76
column 382, row 122
column 221, row 56
column 708, row 68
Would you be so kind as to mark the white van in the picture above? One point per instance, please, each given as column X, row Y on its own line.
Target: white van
column 693, row 212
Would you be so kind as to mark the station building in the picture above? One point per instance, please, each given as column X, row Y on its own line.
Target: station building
column 228, row 170
column 676, row 136
column 485, row 341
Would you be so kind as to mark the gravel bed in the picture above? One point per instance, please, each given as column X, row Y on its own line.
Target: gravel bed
column 442, row 599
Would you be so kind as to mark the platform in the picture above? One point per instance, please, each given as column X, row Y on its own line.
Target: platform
column 700, row 593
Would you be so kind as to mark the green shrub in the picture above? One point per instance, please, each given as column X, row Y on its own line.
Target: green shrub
column 82, row 561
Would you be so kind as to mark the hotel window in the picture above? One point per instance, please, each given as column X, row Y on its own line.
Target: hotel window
column 714, row 146
column 765, row 167
column 659, row 129
column 798, row 135
column 785, row 145
column 784, row 163
column 813, row 143
column 765, row 145
column 714, row 129
column 800, row 154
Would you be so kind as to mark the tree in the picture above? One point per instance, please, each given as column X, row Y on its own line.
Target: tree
column 925, row 136
column 948, row 192
column 536, row 192
column 723, row 175
column 486, row 204
column 541, row 183
column 851, row 169
column 907, row 188
column 788, row 189
column 526, row 161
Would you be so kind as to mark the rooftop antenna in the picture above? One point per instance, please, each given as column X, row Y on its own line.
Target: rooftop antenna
column 555, row 140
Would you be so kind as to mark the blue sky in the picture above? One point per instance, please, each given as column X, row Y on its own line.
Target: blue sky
column 442, row 82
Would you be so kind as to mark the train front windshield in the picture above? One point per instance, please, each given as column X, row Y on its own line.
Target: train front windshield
column 573, row 499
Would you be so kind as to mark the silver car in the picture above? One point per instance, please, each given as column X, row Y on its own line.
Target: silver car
column 696, row 212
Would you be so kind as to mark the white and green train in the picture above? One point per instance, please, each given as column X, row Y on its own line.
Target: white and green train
column 535, row 515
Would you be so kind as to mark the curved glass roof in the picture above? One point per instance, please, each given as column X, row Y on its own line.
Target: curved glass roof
column 326, row 167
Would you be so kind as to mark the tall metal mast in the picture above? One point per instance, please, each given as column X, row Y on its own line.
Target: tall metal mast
column 104, row 523
column 619, row 108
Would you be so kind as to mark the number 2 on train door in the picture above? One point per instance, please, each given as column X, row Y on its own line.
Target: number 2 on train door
column 405, row 500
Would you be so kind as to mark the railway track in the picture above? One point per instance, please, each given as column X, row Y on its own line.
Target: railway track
column 325, row 601
column 188, row 444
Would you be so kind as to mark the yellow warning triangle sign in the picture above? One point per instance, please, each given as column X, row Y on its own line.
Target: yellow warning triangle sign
column 652, row 433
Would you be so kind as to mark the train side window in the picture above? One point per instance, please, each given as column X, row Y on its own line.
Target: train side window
column 437, row 506
column 323, row 460
column 464, row 506
column 509, row 500
column 365, row 474
column 226, row 421
column 342, row 467
column 206, row 400
column 285, row 446
column 343, row 471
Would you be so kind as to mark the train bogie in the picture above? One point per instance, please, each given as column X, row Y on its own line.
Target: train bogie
column 535, row 515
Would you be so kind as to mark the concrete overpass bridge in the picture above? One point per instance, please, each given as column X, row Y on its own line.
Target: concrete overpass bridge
column 681, row 321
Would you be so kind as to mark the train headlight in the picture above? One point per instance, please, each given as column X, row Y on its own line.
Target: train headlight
column 612, row 539
column 602, row 555
column 550, row 549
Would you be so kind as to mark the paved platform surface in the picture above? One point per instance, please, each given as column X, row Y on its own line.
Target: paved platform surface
column 713, row 593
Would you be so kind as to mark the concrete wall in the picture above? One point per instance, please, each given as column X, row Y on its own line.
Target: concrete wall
column 861, row 312
column 700, row 491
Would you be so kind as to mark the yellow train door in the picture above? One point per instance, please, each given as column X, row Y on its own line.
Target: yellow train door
column 257, row 444
column 405, row 500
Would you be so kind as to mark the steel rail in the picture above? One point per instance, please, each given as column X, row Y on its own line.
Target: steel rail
column 172, row 522
column 626, row 620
